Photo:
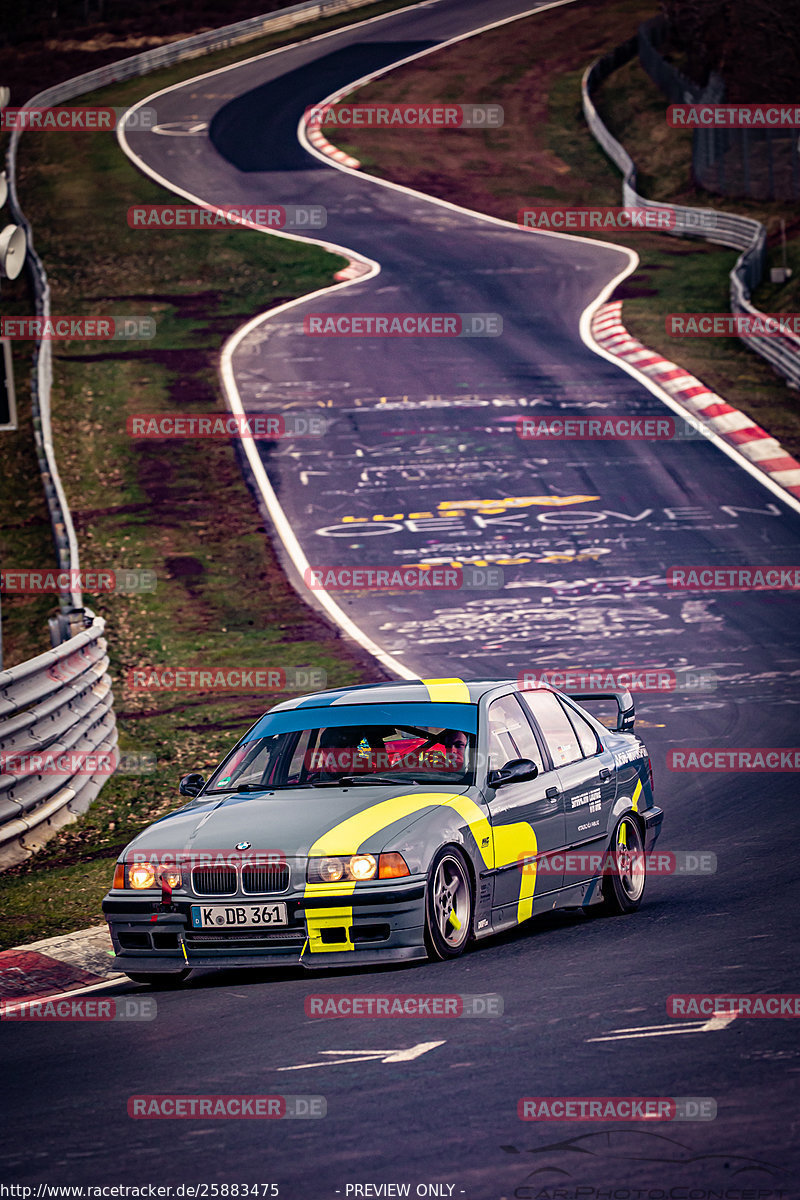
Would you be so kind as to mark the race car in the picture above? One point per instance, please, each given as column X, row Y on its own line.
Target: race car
column 387, row 823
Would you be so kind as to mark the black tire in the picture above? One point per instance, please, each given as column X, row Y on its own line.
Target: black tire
column 449, row 904
column 623, row 885
column 163, row 979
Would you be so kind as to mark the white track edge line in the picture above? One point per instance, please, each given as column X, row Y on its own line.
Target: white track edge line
column 282, row 525
column 586, row 334
column 273, row 505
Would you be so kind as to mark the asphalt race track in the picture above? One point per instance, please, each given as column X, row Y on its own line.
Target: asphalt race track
column 422, row 457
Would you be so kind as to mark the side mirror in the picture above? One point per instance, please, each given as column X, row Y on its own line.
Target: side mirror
column 191, row 785
column 515, row 771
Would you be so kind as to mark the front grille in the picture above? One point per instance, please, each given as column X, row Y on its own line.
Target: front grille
column 234, row 939
column 258, row 880
column 214, row 881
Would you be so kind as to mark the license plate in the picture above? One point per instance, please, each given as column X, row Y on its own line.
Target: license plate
column 238, row 916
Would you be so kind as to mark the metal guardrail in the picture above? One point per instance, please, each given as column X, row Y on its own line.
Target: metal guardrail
column 724, row 229
column 61, row 701
column 55, row 710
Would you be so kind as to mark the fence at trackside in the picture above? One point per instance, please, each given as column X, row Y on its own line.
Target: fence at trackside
column 61, row 701
column 56, row 714
column 741, row 233
column 762, row 163
column 676, row 86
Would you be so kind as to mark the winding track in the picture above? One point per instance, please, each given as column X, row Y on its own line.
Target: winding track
column 588, row 594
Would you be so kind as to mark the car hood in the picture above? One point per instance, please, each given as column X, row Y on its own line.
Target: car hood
column 340, row 820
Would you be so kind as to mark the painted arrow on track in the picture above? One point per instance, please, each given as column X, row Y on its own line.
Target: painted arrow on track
column 387, row 1056
column 718, row 1021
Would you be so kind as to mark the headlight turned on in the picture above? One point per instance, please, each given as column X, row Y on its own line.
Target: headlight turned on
column 145, row 876
column 142, row 876
column 356, row 868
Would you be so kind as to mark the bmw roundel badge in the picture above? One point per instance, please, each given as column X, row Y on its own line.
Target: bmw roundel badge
column 242, row 845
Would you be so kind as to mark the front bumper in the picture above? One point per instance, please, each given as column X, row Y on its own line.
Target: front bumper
column 374, row 924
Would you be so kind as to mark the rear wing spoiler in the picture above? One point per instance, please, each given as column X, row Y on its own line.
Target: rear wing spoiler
column 626, row 711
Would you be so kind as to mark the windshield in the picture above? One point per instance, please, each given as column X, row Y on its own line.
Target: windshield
column 326, row 755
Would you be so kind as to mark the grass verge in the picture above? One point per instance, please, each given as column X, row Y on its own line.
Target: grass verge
column 177, row 508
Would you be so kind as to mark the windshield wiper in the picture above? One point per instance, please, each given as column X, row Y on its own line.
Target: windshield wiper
column 347, row 780
column 255, row 787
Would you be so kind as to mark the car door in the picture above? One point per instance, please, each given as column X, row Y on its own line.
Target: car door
column 527, row 816
column 587, row 775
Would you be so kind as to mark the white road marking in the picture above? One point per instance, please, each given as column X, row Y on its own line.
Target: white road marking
column 181, row 128
column 412, row 1052
column 718, row 1021
column 282, row 524
column 387, row 1056
column 283, row 527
